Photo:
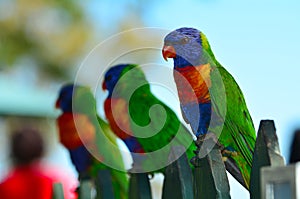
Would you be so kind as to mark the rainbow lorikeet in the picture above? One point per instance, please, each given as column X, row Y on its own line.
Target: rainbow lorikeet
column 84, row 133
column 205, row 87
column 147, row 126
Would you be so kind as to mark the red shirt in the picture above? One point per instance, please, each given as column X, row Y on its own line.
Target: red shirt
column 26, row 182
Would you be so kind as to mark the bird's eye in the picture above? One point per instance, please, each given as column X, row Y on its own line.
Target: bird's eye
column 184, row 40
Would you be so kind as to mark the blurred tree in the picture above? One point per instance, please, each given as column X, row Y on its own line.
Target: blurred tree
column 50, row 33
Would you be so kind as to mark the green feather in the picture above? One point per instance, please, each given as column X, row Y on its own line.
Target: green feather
column 149, row 112
column 106, row 142
column 238, row 131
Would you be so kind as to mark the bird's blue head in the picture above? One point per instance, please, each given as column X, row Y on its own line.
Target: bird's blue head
column 184, row 45
column 112, row 76
column 122, row 86
column 64, row 100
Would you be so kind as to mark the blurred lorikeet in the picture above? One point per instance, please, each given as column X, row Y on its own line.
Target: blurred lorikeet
column 205, row 86
column 80, row 128
column 142, row 121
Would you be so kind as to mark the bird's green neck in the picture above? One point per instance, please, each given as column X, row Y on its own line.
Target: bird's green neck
column 207, row 54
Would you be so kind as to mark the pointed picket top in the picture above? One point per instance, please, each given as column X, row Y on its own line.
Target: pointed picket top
column 58, row 192
column 210, row 177
column 178, row 182
column 84, row 191
column 139, row 186
column 104, row 185
column 266, row 153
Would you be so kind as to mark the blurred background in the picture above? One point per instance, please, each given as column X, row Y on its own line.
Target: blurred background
column 43, row 43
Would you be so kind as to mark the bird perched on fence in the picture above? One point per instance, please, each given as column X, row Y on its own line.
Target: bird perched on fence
column 84, row 133
column 142, row 121
column 205, row 87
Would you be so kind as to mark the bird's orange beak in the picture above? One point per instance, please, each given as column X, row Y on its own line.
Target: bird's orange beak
column 168, row 52
column 57, row 104
column 104, row 86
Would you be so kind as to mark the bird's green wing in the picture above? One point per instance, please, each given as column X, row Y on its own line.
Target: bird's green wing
column 238, row 118
column 238, row 132
column 110, row 156
column 229, row 107
column 160, row 122
column 84, row 101
column 110, row 151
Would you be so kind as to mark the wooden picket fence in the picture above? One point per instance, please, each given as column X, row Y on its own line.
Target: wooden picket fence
column 208, row 180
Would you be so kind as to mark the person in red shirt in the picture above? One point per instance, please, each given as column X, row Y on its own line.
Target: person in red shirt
column 26, row 180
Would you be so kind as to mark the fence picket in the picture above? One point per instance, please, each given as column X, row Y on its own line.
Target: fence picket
column 104, row 185
column 84, row 191
column 210, row 177
column 266, row 153
column 58, row 192
column 178, row 181
column 139, row 186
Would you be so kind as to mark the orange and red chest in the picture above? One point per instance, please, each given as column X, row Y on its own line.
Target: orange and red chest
column 116, row 111
column 71, row 125
column 193, row 83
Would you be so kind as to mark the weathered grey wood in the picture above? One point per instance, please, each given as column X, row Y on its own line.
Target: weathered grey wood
column 210, row 177
column 139, row 186
column 178, row 182
column 84, row 189
column 58, row 192
column 266, row 153
column 104, row 185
